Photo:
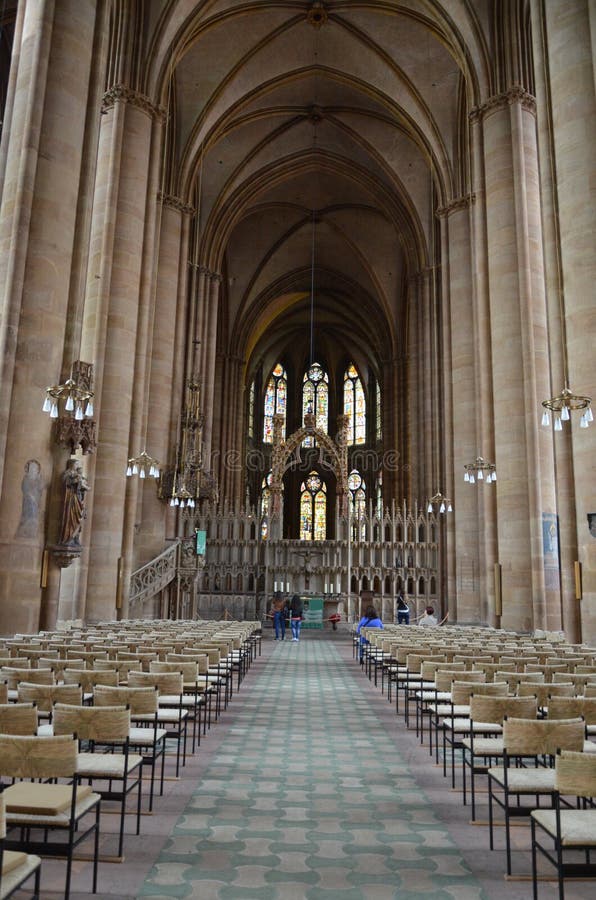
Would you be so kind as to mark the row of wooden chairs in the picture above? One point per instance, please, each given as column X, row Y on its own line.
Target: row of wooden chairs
column 525, row 721
column 114, row 730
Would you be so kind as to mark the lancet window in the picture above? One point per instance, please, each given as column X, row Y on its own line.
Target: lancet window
column 354, row 406
column 313, row 508
column 357, row 488
column 276, row 396
column 315, row 398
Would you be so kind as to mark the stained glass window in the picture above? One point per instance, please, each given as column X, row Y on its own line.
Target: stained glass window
column 357, row 493
column 315, row 399
column 251, row 409
column 379, row 419
column 275, row 401
column 354, row 406
column 313, row 508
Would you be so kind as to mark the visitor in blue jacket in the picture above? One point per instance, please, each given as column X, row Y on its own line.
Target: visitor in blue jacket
column 369, row 620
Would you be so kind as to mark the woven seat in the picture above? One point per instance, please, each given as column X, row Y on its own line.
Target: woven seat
column 479, row 750
column 171, row 715
column 535, row 741
column 144, row 735
column 16, row 867
column 567, row 829
column 104, row 731
column 37, row 810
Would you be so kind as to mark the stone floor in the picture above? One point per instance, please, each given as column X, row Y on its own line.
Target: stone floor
column 309, row 787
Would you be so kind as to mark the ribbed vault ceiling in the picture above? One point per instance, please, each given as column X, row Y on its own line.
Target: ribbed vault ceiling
column 354, row 122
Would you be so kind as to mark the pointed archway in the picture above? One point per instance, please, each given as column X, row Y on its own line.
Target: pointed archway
column 335, row 453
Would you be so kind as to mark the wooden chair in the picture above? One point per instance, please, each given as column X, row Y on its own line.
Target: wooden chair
column 88, row 678
column 535, row 741
column 15, row 867
column 171, row 714
column 45, row 695
column 480, row 749
column 193, row 693
column 49, row 806
column 145, row 734
column 567, row 830
column 32, row 676
column 576, row 707
column 104, row 753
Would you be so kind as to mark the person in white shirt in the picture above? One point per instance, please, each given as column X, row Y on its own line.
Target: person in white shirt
column 429, row 617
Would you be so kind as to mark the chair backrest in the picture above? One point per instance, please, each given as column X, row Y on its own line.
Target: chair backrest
column 141, row 700
column 489, row 668
column 202, row 660
column 32, row 676
column 445, row 676
column 165, row 682
column 92, row 723
column 494, row 709
column 462, row 690
column 543, row 691
column 430, row 667
column 38, row 757
column 3, row 692
column 123, row 667
column 18, row 718
column 572, row 708
column 59, row 665
column 45, row 695
column 575, row 774
column 188, row 670
column 536, row 737
column 88, row 678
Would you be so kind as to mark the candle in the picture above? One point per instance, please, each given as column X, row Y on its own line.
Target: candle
column 326, row 588
column 275, row 585
column 288, row 586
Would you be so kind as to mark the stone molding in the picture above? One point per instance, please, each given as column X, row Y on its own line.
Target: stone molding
column 515, row 94
column 119, row 93
column 176, row 203
column 455, row 205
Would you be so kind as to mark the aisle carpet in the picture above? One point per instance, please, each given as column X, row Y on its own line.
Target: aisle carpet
column 308, row 798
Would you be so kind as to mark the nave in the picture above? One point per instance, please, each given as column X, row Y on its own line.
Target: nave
column 309, row 786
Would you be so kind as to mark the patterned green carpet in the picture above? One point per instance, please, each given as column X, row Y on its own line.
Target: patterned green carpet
column 308, row 798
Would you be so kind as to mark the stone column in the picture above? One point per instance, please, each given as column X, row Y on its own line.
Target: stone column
column 116, row 326
column 210, row 355
column 518, row 330
column 563, row 48
column 461, row 533
column 167, row 342
column 42, row 161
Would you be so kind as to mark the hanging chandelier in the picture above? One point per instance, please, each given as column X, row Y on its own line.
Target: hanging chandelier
column 562, row 405
column 183, row 484
column 75, row 397
column 480, row 470
column 143, row 465
column 439, row 503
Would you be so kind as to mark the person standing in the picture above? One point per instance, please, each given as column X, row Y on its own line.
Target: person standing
column 296, row 610
column 278, row 609
column 403, row 610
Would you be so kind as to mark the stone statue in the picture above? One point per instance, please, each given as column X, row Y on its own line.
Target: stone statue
column 31, row 489
column 73, row 512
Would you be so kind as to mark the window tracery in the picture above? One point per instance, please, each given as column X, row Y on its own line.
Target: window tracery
column 354, row 406
column 276, row 396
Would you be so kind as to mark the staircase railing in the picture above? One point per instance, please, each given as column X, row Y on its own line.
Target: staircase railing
column 154, row 576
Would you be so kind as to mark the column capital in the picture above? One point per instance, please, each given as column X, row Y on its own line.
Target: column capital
column 455, row 205
column 175, row 203
column 515, row 94
column 119, row 93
